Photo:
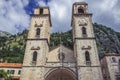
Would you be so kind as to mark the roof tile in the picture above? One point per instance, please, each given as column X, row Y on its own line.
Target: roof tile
column 11, row 65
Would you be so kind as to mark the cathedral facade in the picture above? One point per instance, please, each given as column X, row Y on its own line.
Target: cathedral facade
column 61, row 63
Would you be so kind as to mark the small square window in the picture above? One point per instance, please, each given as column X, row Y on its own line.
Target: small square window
column 12, row 71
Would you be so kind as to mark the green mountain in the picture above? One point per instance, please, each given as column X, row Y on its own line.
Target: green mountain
column 12, row 47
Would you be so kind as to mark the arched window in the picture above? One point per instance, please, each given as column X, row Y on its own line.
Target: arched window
column 34, row 59
column 83, row 30
column 87, row 57
column 80, row 11
column 38, row 31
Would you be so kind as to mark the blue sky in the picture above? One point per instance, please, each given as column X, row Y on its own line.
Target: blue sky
column 15, row 14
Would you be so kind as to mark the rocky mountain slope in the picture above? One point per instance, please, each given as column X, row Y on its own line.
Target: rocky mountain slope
column 107, row 39
column 12, row 47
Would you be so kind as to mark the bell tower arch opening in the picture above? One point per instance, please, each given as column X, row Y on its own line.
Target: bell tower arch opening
column 61, row 74
column 80, row 11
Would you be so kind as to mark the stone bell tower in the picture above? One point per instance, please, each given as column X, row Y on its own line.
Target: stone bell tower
column 85, row 49
column 37, row 45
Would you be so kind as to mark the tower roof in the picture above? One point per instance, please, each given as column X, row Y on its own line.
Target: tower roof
column 80, row 3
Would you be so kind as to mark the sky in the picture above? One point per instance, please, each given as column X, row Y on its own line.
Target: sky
column 15, row 14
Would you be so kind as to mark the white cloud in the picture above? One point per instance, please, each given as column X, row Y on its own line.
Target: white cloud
column 108, row 4
column 41, row 3
column 108, row 10
column 12, row 13
column 116, row 15
column 61, row 11
column 25, row 2
column 13, row 16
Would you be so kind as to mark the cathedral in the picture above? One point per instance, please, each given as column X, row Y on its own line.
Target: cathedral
column 61, row 63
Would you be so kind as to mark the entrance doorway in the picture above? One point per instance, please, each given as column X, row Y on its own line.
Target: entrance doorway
column 61, row 74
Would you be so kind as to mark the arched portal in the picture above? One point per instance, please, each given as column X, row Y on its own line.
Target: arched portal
column 61, row 74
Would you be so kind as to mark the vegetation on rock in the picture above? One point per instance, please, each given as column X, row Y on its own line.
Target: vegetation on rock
column 12, row 47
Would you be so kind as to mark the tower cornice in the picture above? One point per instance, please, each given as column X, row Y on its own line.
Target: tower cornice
column 80, row 3
column 86, row 14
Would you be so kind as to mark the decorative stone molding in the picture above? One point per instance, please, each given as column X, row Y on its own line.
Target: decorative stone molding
column 82, row 22
column 33, row 48
column 40, row 25
column 86, row 48
column 36, row 25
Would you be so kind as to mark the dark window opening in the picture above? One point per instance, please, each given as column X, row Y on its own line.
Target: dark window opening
column 84, row 34
column 38, row 31
column 87, row 57
column 113, row 59
column 41, row 11
column 83, row 30
column 119, row 65
column 119, row 61
column 10, row 71
column 19, row 72
column 34, row 56
column 81, row 11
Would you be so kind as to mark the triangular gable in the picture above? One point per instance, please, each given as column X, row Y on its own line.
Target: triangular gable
column 53, row 55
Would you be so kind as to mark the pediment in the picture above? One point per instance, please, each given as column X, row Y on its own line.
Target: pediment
column 54, row 54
